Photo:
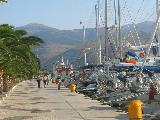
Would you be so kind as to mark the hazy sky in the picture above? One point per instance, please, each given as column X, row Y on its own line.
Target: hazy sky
column 66, row 14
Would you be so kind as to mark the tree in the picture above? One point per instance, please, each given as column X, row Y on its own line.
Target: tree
column 16, row 56
column 3, row 1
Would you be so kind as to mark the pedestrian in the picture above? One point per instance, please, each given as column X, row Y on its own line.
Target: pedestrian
column 48, row 79
column 152, row 93
column 45, row 80
column 39, row 81
column 58, row 81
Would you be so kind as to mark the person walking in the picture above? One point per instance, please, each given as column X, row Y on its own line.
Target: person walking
column 45, row 80
column 152, row 93
column 58, row 81
column 39, row 81
column 48, row 79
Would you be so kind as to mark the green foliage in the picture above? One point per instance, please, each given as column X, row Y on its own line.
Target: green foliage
column 3, row 1
column 16, row 56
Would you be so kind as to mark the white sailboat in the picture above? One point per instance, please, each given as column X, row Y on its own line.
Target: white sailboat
column 151, row 60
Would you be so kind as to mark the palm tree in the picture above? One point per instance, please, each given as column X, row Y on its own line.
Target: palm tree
column 3, row 1
column 16, row 56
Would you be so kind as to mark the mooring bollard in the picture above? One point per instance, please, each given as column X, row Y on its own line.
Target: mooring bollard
column 135, row 110
column 72, row 88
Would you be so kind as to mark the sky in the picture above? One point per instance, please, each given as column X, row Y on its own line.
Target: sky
column 67, row 14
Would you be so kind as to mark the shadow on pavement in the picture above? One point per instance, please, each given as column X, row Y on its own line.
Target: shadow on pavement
column 9, row 107
column 6, row 107
column 34, row 91
column 51, row 89
column 100, row 108
column 39, row 111
column 70, row 95
column 18, row 95
column 37, row 102
column 18, row 118
column 119, row 117
column 20, row 92
column 61, row 90
column 21, row 103
column 38, row 98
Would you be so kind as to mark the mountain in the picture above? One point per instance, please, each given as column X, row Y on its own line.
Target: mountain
column 144, row 30
column 56, row 41
column 146, row 26
column 35, row 28
column 53, row 35
column 69, row 43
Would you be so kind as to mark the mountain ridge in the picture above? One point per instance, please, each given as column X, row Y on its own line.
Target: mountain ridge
column 67, row 40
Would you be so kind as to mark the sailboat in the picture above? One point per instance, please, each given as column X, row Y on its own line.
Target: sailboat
column 139, row 58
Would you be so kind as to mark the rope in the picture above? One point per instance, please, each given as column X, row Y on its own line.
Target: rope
column 113, row 47
column 150, row 45
column 130, row 32
column 111, row 43
column 139, row 10
column 132, row 22
column 147, row 16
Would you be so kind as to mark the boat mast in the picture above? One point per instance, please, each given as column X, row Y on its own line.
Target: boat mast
column 98, row 44
column 115, row 13
column 100, row 52
column 119, row 29
column 106, row 67
column 106, row 32
column 158, row 21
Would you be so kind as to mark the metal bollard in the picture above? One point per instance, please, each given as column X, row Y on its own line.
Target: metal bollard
column 72, row 88
column 135, row 110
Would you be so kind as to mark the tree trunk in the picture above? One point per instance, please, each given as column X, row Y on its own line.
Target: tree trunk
column 1, row 85
column 9, row 84
column 5, row 88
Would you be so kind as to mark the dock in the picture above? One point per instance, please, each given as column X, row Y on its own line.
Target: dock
column 27, row 102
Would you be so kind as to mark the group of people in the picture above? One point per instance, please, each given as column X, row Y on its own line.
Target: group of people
column 44, row 78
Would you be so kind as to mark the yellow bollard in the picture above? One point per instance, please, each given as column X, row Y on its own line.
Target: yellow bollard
column 72, row 88
column 135, row 110
column 53, row 81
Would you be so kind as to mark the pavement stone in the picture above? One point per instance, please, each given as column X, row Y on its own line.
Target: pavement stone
column 27, row 102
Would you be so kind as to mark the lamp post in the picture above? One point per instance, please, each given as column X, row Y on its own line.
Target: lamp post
column 84, row 39
column 85, row 55
column 84, row 31
column 85, row 58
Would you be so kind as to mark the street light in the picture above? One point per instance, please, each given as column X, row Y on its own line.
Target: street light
column 85, row 55
column 84, row 39
column 84, row 31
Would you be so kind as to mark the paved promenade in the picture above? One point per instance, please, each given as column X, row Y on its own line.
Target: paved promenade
column 27, row 102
